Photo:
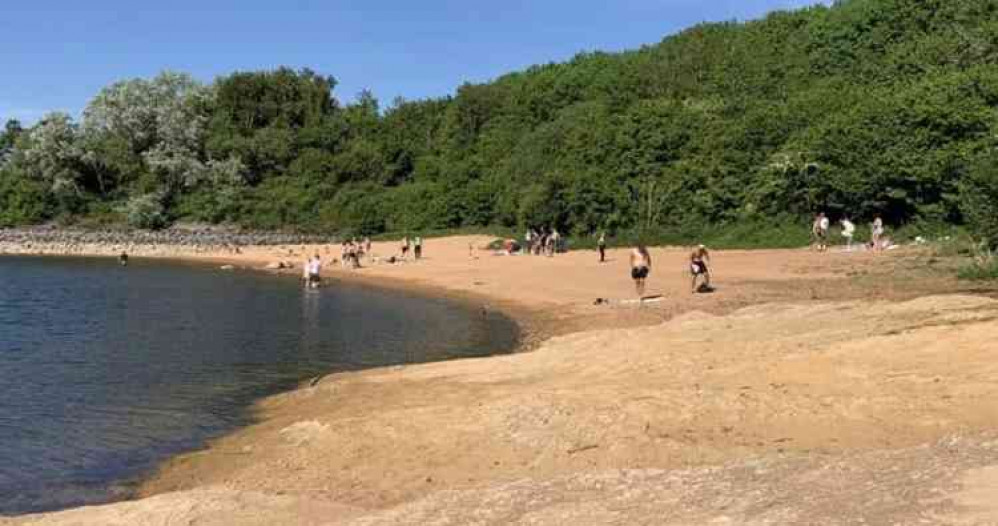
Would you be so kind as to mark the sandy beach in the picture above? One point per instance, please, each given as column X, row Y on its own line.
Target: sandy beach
column 809, row 388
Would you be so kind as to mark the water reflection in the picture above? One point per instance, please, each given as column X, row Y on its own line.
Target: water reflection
column 106, row 370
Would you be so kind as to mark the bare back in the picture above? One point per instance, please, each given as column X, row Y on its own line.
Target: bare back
column 640, row 258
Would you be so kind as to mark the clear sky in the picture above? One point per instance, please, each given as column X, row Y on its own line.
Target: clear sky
column 56, row 54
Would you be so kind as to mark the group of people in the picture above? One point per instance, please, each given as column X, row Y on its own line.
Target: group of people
column 352, row 251
column 548, row 242
column 415, row 245
column 641, row 268
column 820, row 232
column 543, row 241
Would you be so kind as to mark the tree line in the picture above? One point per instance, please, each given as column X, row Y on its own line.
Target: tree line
column 867, row 106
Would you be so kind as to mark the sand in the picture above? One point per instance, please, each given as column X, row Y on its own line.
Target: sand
column 808, row 389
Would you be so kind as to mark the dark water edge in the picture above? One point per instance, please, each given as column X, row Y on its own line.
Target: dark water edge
column 396, row 327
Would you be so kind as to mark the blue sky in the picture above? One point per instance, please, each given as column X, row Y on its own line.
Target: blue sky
column 56, row 54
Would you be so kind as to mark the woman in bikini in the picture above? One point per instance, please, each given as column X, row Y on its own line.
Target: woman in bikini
column 700, row 266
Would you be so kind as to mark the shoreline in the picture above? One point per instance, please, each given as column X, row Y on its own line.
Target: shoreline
column 695, row 386
column 530, row 331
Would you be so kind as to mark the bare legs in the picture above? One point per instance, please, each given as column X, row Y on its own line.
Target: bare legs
column 639, row 287
column 706, row 281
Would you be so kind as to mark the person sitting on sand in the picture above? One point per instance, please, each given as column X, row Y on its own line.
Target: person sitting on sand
column 640, row 268
column 700, row 266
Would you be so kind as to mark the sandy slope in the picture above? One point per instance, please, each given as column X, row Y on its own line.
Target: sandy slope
column 793, row 412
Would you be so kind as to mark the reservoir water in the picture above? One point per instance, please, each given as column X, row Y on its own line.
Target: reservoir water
column 105, row 371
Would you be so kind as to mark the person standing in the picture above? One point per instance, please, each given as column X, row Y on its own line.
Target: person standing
column 640, row 268
column 877, row 232
column 315, row 272
column 848, row 231
column 601, row 246
column 819, row 232
column 418, row 247
column 528, row 240
column 405, row 246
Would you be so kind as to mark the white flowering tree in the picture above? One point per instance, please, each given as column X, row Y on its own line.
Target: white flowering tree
column 54, row 156
column 153, row 131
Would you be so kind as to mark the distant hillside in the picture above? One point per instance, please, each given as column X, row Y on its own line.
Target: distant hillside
column 870, row 106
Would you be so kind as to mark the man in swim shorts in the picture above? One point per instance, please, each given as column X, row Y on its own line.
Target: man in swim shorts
column 314, row 272
column 700, row 266
column 640, row 268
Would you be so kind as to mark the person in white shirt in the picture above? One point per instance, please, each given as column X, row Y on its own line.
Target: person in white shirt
column 877, row 232
column 314, row 272
column 848, row 230
column 819, row 232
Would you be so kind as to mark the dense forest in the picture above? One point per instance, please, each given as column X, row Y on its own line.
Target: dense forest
column 868, row 106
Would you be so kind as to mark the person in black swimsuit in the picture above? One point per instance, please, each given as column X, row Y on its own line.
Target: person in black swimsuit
column 640, row 268
column 700, row 266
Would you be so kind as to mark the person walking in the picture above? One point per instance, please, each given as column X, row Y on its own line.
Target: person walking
column 640, row 268
column 601, row 246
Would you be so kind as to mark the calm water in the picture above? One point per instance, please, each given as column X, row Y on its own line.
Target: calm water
column 105, row 371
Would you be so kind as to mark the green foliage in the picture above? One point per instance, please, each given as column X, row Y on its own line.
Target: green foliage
column 22, row 200
column 979, row 198
column 146, row 211
column 732, row 134
column 983, row 265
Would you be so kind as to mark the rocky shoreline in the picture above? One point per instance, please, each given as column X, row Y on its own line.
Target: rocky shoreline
column 162, row 243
